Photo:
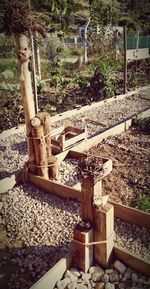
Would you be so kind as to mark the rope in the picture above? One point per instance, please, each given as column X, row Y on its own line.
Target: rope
column 93, row 243
column 43, row 166
column 41, row 137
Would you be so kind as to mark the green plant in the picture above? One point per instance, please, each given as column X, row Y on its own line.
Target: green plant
column 55, row 49
column 12, row 88
column 40, row 83
column 143, row 124
column 83, row 81
column 144, row 204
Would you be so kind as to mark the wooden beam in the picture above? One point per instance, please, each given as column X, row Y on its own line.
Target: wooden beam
column 55, row 188
column 55, row 274
column 131, row 215
column 83, row 255
column 132, row 260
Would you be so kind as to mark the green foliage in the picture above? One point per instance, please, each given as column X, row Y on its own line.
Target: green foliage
column 101, row 13
column 143, row 204
column 40, row 83
column 132, row 78
column 55, row 49
column 83, row 81
column 14, row 89
column 143, row 124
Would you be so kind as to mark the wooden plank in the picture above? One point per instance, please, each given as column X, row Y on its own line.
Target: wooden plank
column 55, row 188
column 103, row 231
column 131, row 215
column 132, row 260
column 74, row 140
column 7, row 183
column 55, row 274
column 56, row 131
column 83, row 255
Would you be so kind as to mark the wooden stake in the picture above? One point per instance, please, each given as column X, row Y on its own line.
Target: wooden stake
column 53, row 168
column 103, row 231
column 90, row 188
column 125, row 60
column 46, row 122
column 83, row 255
column 24, row 54
column 40, row 150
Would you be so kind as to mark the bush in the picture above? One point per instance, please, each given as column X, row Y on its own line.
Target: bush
column 55, row 49
column 144, row 204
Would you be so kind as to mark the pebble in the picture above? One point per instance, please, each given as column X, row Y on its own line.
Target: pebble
column 120, row 267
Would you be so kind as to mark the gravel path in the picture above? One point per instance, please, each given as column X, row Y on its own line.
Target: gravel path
column 13, row 149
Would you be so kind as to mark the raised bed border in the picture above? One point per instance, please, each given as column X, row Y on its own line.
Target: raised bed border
column 58, row 117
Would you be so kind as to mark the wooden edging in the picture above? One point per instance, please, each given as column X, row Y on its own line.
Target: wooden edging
column 132, row 260
column 49, row 280
column 125, row 213
column 55, row 274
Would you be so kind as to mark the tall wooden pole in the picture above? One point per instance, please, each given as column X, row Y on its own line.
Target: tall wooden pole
column 125, row 58
column 24, row 57
column 34, row 74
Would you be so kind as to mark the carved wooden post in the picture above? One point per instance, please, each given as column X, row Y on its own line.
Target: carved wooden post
column 24, row 55
column 45, row 121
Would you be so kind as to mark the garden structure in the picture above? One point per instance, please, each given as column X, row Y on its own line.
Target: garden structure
column 93, row 237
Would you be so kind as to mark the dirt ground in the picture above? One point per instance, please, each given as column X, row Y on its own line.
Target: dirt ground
column 130, row 177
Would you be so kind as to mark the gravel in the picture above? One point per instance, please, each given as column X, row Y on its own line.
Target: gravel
column 13, row 149
column 98, row 278
column 39, row 227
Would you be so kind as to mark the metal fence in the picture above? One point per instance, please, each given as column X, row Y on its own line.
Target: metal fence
column 134, row 42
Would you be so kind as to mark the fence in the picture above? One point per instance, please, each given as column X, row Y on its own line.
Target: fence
column 143, row 42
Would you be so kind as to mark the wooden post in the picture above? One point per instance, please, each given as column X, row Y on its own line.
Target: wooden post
column 103, row 231
column 24, row 55
column 46, row 122
column 53, row 167
column 83, row 255
column 62, row 142
column 40, row 148
column 37, row 56
column 34, row 73
column 90, row 189
column 125, row 59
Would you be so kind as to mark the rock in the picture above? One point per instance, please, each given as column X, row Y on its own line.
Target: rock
column 120, row 267
column 121, row 286
column 75, row 272
column 97, row 276
column 109, row 286
column 100, row 285
column 62, row 284
column 105, row 278
column 109, row 271
column 72, row 285
column 114, row 277
column 95, row 269
column 134, row 277
column 67, row 273
column 86, row 276
column 81, row 286
column 73, row 278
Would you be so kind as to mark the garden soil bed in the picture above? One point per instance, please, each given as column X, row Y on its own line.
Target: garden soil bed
column 130, row 177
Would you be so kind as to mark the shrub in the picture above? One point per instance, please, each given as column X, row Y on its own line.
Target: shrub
column 55, row 49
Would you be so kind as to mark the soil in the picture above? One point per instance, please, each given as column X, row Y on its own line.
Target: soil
column 130, row 177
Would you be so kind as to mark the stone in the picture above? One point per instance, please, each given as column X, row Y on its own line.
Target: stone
column 109, row 271
column 95, row 269
column 86, row 276
column 97, row 276
column 109, row 286
column 67, row 273
column 134, row 277
column 81, row 286
column 105, row 278
column 72, row 285
column 100, row 285
column 120, row 267
column 114, row 277
column 73, row 278
column 62, row 284
column 75, row 272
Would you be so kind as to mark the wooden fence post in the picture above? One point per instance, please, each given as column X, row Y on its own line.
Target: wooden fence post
column 45, row 121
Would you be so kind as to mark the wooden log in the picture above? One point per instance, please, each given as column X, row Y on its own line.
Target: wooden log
column 53, row 168
column 90, row 188
column 40, row 151
column 103, row 231
column 46, row 122
column 23, row 55
column 83, row 255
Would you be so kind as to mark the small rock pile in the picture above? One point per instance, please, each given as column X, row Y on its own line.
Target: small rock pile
column 68, row 172
column 117, row 277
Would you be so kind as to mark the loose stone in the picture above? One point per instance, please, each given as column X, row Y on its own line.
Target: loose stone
column 120, row 267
